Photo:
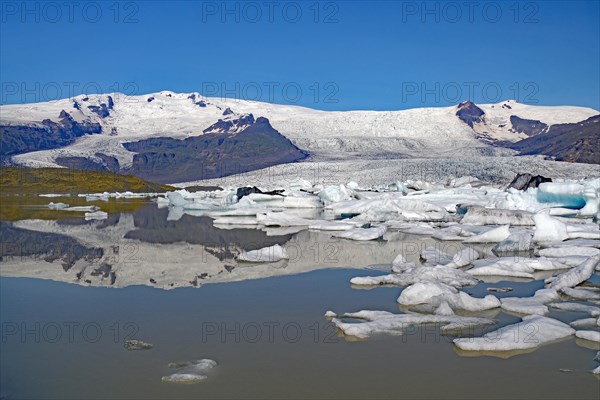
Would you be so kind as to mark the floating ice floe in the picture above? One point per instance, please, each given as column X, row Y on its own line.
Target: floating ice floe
column 577, row 307
column 57, row 206
column 565, row 251
column 190, row 372
column 581, row 294
column 266, row 254
column 535, row 305
column 532, row 332
column 492, row 236
column 447, row 276
column 383, row 322
column 81, row 208
column 335, row 194
column 433, row 256
column 584, row 323
column 576, row 275
column 517, row 242
column 134, row 344
column 96, row 215
column 434, row 294
column 362, row 233
column 592, row 336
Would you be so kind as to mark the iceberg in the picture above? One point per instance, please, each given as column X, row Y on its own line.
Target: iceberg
column 477, row 215
column 433, row 293
column 533, row 331
column 592, row 336
column 566, row 251
column 577, row 307
column 576, row 275
column 57, row 206
column 548, row 229
column 190, row 372
column 492, row 236
column 463, row 258
column 447, row 276
column 401, row 265
column 535, row 305
column 383, row 322
column 584, row 323
column 266, row 254
column 581, row 294
column 362, row 233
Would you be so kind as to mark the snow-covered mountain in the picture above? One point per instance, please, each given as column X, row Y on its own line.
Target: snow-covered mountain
column 98, row 127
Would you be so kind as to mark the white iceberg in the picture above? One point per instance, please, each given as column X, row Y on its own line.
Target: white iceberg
column 532, row 332
column 492, row 236
column 190, row 372
column 362, row 233
column 57, row 206
column 548, row 229
column 576, row 275
column 96, row 215
column 577, row 307
column 448, row 276
column 432, row 293
column 383, row 322
column 535, row 305
column 593, row 336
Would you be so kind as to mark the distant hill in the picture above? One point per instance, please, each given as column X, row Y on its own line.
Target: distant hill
column 579, row 142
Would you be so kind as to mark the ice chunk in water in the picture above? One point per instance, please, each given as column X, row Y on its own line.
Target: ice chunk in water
column 492, row 216
column 530, row 305
column 577, row 307
column 532, row 332
column 576, row 275
column 383, row 322
column 463, row 258
column 401, row 265
column 593, row 336
column 362, row 233
column 435, row 293
column 190, row 372
column 569, row 195
column 492, row 236
column 96, row 215
column 548, row 229
column 57, row 206
column 584, row 323
column 448, row 276
column 581, row 294
column 334, row 194
column 565, row 251
column 266, row 254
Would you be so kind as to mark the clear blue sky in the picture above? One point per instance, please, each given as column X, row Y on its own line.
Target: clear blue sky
column 335, row 55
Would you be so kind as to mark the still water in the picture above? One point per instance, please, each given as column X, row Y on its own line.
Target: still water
column 175, row 284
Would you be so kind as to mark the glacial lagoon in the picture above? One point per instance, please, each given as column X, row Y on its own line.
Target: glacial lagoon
column 73, row 291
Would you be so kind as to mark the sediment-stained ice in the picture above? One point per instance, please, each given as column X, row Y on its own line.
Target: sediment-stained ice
column 463, row 258
column 383, row 322
column 493, row 216
column 266, row 254
column 533, row 331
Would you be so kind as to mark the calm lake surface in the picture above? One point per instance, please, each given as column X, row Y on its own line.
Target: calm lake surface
column 175, row 283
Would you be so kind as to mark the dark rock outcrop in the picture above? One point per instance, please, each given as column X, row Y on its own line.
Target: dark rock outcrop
column 212, row 155
column 530, row 127
column 469, row 113
column 231, row 125
column 526, row 181
column 576, row 142
column 17, row 139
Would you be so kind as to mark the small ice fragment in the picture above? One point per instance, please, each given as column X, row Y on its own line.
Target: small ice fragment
column 401, row 265
column 96, row 215
column 57, row 206
column 362, row 233
column 266, row 254
column 584, row 323
column 189, row 372
column 499, row 289
column 137, row 345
